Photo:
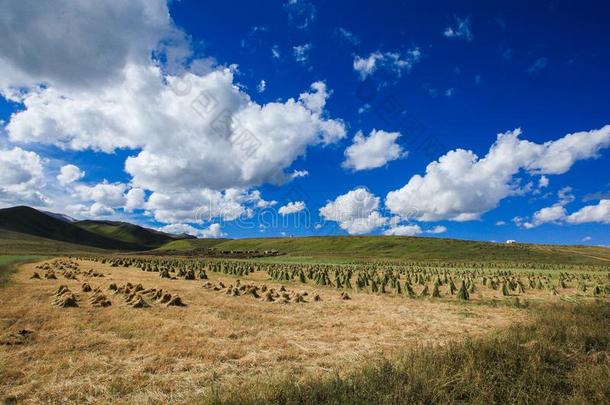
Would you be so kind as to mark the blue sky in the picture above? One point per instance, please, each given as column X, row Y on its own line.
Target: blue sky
column 388, row 90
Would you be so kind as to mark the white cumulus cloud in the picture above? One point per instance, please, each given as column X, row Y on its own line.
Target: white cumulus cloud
column 356, row 212
column 21, row 177
column 68, row 174
column 460, row 186
column 292, row 208
column 374, row 151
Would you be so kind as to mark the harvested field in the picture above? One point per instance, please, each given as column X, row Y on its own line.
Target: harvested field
column 160, row 353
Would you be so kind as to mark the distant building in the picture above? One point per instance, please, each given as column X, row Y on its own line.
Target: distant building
column 511, row 242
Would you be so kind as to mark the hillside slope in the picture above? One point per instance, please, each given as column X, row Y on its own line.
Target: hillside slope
column 128, row 233
column 190, row 245
column 419, row 248
column 29, row 221
column 14, row 243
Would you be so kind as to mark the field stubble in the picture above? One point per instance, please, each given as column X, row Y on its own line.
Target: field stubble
column 178, row 354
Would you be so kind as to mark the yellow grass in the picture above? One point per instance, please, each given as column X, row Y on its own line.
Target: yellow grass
column 171, row 354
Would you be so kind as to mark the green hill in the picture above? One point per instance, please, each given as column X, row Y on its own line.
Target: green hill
column 190, row 245
column 14, row 243
column 32, row 222
column 419, row 248
column 26, row 230
column 129, row 233
column 108, row 235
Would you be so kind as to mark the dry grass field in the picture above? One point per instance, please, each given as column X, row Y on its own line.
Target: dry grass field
column 171, row 354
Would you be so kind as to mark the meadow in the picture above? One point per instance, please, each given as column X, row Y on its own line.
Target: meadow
column 159, row 329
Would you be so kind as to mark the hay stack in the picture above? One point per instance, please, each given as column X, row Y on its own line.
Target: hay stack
column 140, row 303
column 176, row 301
column 66, row 300
column 100, row 300
column 62, row 289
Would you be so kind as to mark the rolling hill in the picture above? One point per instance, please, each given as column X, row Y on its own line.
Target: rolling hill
column 414, row 248
column 26, row 230
column 129, row 233
column 98, row 234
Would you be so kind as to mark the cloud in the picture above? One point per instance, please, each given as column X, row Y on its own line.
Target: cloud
column 204, row 205
column 374, row 151
column 238, row 144
column 262, row 86
column 599, row 212
column 413, row 230
column 69, row 174
column 292, row 208
column 134, row 199
column 404, row 230
column 21, row 177
column 180, row 229
column 437, row 230
column 543, row 182
column 105, row 193
column 356, row 212
column 557, row 214
column 301, row 13
column 460, row 29
column 500, row 223
column 138, row 86
column 460, row 186
column 275, row 52
column 213, row 231
column 390, row 61
column 66, row 43
column 301, row 53
column 348, row 36
column 100, row 210
column 538, row 65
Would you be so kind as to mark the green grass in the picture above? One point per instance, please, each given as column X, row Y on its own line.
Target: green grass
column 14, row 243
column 126, row 232
column 562, row 357
column 190, row 244
column 412, row 248
column 9, row 264
column 302, row 259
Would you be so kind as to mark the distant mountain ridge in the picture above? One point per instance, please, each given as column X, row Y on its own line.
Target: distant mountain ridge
column 61, row 217
column 111, row 235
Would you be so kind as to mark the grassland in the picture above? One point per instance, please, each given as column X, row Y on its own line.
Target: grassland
column 561, row 357
column 188, row 245
column 13, row 243
column 9, row 264
column 528, row 331
column 180, row 354
column 406, row 248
